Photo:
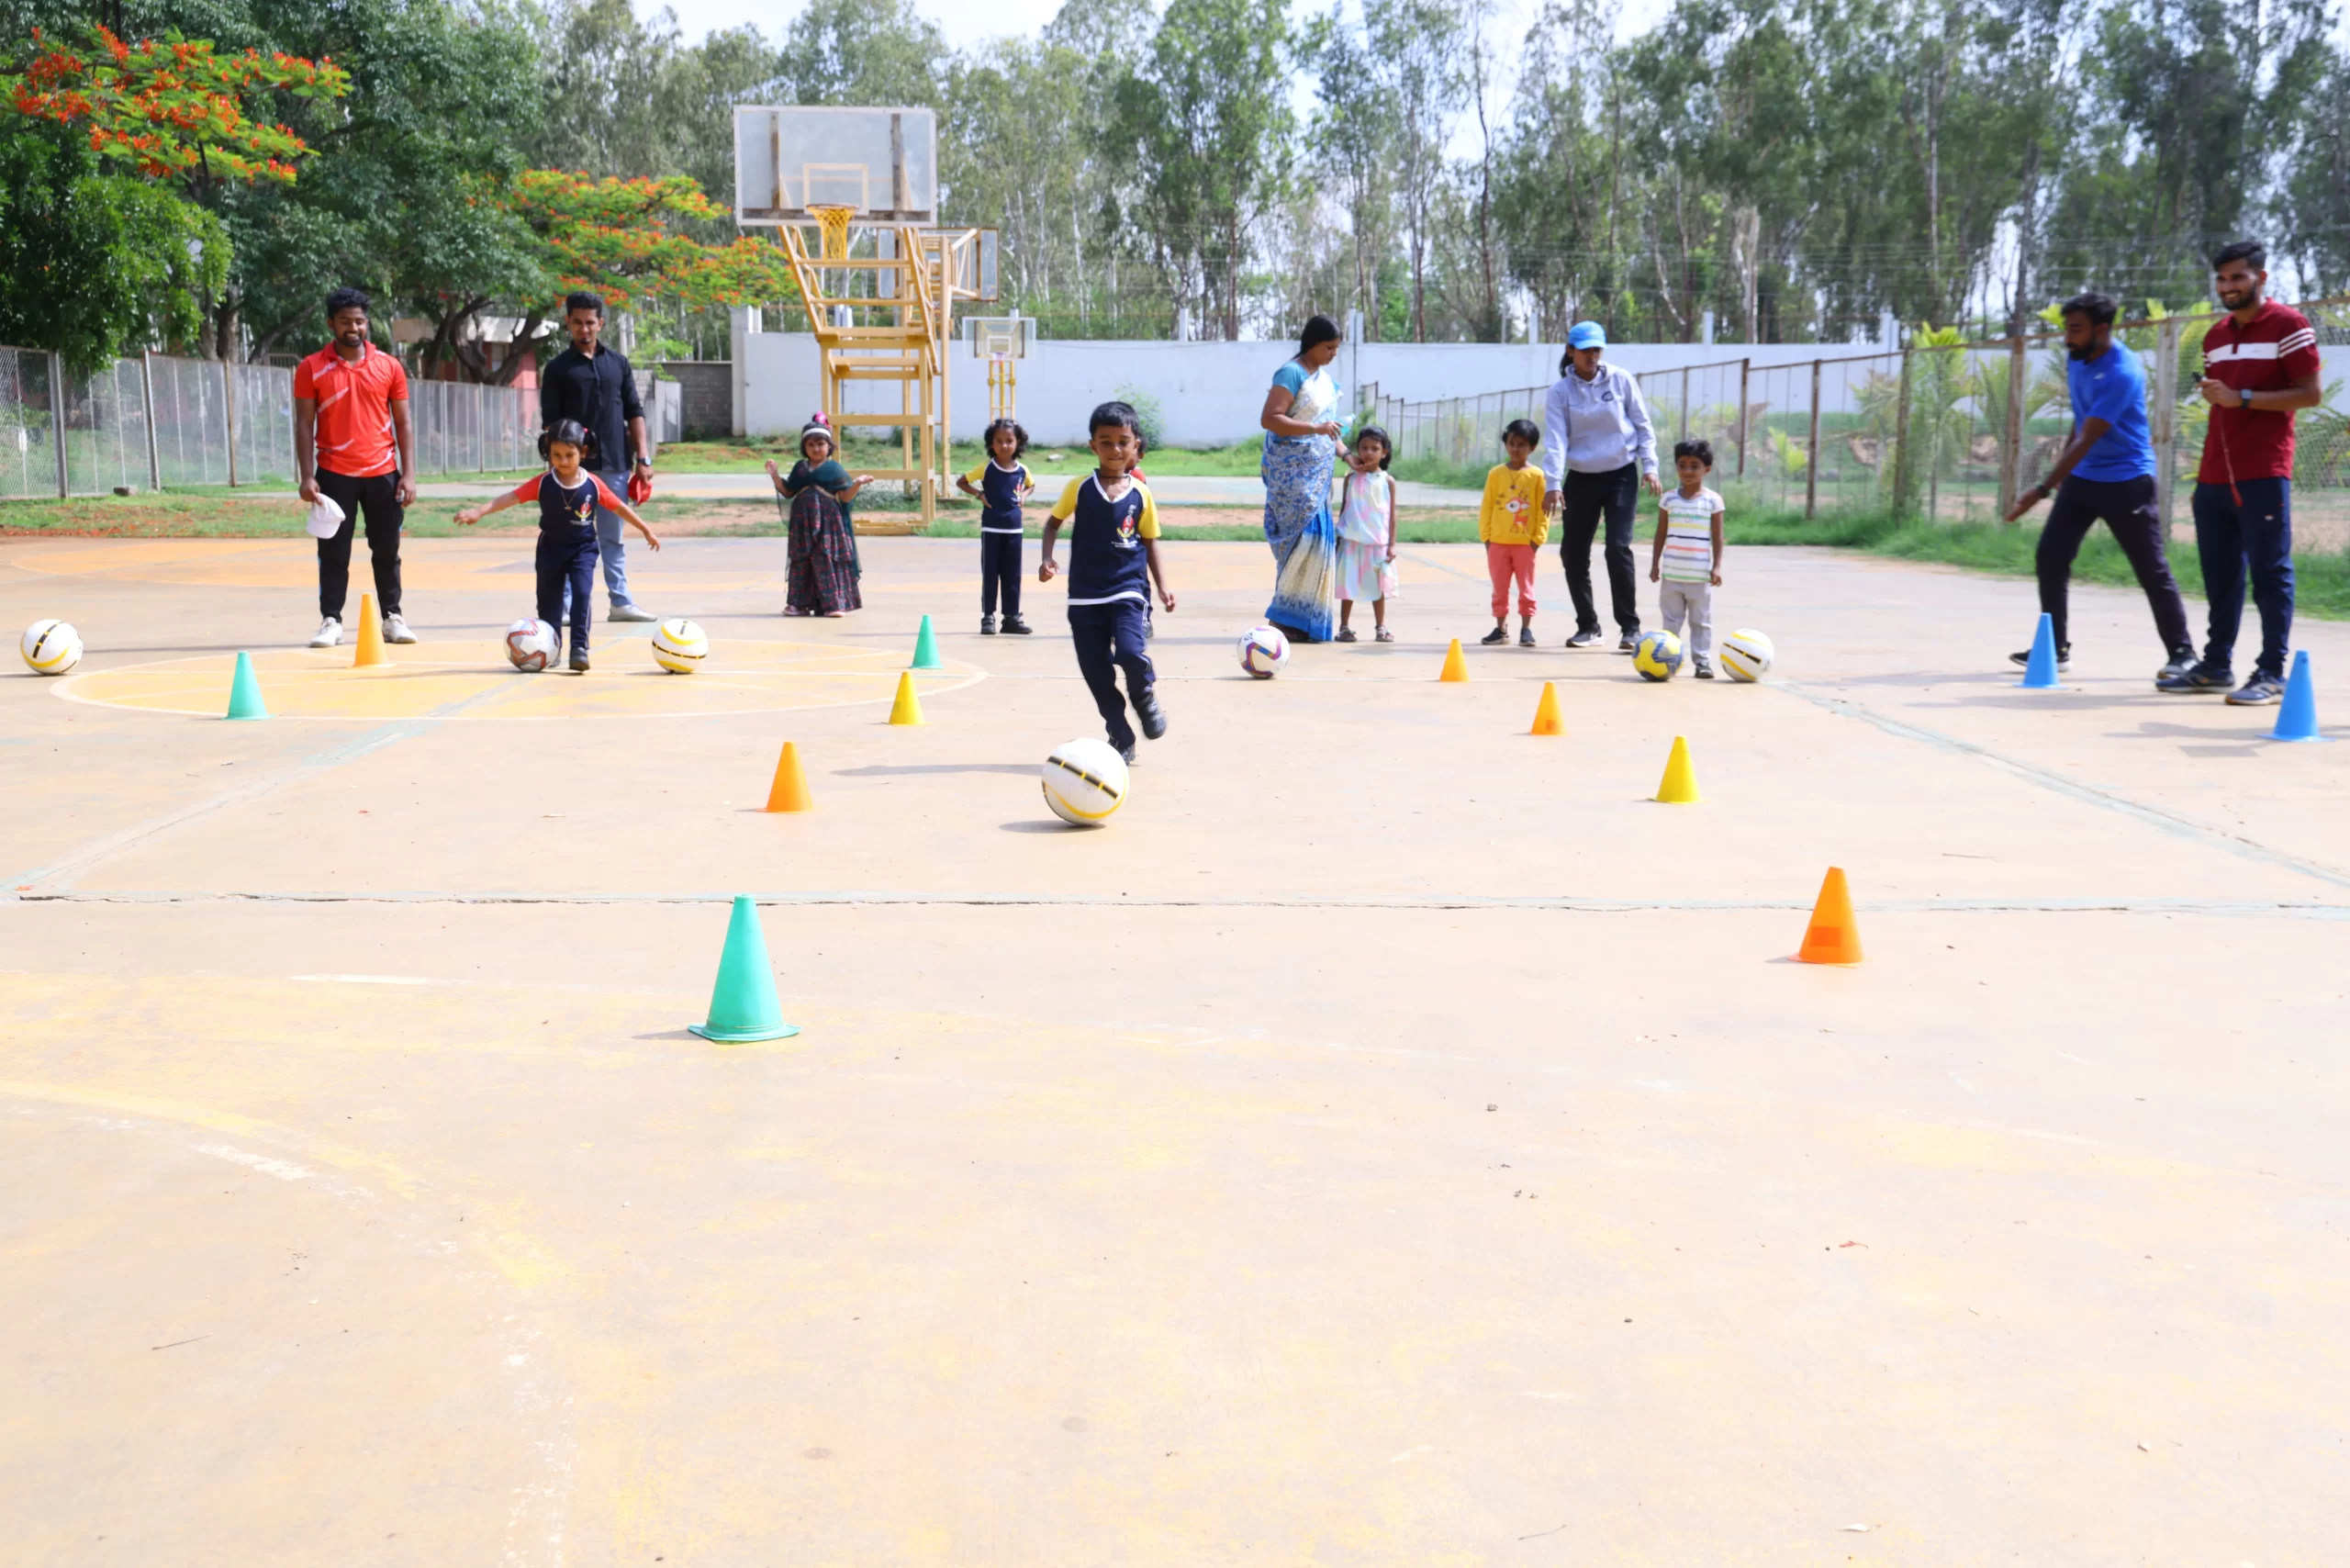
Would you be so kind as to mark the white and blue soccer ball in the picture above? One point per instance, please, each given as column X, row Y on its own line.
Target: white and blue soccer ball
column 1264, row 653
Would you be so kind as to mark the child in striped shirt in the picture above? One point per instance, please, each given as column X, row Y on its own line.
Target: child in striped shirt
column 1687, row 561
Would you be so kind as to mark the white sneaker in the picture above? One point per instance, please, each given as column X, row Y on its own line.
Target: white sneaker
column 630, row 612
column 329, row 633
column 395, row 629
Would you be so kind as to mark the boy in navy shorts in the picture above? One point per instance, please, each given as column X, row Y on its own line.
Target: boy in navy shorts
column 568, row 496
column 1113, row 562
column 999, row 483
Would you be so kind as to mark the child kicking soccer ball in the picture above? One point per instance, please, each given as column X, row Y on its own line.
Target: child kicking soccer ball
column 567, row 497
column 1685, row 562
column 999, row 483
column 1113, row 562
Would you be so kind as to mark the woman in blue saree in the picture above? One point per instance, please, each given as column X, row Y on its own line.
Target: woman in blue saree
column 1301, row 450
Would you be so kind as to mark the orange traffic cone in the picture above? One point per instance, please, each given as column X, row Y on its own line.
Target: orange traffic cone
column 1455, row 667
column 789, row 792
column 1545, row 712
column 1832, row 938
column 371, row 636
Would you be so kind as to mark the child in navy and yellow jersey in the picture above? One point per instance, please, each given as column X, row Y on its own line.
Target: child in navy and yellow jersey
column 1113, row 562
column 999, row 483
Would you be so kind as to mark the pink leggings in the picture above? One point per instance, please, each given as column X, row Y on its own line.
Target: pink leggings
column 1504, row 561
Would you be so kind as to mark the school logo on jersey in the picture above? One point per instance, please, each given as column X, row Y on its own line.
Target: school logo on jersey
column 1126, row 540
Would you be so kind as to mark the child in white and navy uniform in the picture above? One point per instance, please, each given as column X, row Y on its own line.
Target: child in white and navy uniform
column 999, row 483
column 1113, row 562
column 1687, row 561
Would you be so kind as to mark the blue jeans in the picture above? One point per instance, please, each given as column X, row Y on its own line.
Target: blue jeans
column 566, row 566
column 1110, row 637
column 608, row 539
column 2227, row 536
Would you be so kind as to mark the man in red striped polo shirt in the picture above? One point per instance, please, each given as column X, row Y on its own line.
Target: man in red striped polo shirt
column 2260, row 364
column 354, row 444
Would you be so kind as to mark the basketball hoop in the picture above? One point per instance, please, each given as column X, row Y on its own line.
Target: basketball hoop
column 833, row 221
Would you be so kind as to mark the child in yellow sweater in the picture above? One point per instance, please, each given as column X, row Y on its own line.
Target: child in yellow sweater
column 1514, row 525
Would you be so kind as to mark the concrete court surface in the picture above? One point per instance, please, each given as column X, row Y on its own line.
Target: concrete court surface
column 1394, row 1139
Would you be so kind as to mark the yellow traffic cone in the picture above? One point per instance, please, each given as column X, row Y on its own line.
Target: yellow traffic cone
column 1545, row 712
column 1455, row 667
column 789, row 791
column 907, row 708
column 1679, row 786
column 1832, row 938
column 371, row 636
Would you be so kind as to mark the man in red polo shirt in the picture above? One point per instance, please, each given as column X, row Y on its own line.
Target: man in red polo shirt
column 354, row 444
column 2260, row 364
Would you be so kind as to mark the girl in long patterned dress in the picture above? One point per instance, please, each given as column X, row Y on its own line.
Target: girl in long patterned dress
column 822, row 546
column 1301, row 451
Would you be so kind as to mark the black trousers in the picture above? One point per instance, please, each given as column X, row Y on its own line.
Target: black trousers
column 377, row 498
column 2128, row 508
column 1116, row 633
column 1587, row 498
column 998, row 571
column 566, row 559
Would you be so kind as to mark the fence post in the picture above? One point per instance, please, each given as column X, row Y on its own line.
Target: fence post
column 2011, row 440
column 1901, row 469
column 147, row 391
column 2165, row 398
column 1811, row 463
column 56, row 421
column 229, row 413
column 1684, row 405
column 1745, row 368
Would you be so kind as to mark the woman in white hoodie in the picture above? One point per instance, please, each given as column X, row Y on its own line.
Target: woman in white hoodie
column 1598, row 450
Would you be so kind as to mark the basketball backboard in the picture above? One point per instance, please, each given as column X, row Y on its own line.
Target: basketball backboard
column 883, row 163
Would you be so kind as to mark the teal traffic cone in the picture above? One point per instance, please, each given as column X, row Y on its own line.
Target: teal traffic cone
column 2296, row 715
column 2040, row 671
column 925, row 647
column 742, row 1005
column 244, row 692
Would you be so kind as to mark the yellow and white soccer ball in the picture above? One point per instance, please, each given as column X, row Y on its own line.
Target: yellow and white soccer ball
column 1085, row 782
column 1746, row 653
column 51, row 647
column 678, row 646
column 530, row 643
column 1657, row 655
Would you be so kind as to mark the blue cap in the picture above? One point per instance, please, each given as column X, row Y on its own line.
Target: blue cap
column 1588, row 335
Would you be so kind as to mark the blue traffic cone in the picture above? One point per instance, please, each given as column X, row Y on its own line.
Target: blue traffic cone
column 2039, row 672
column 2296, row 715
column 244, row 692
column 925, row 647
column 743, row 1005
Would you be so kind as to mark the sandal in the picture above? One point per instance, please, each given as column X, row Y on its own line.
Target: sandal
column 1384, row 635
column 1346, row 634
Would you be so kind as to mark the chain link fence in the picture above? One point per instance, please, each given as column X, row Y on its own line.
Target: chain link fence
column 158, row 422
column 1945, row 431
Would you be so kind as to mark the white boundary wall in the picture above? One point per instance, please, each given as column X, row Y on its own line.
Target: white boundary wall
column 1209, row 394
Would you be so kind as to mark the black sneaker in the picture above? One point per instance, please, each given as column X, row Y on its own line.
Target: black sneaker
column 987, row 625
column 1015, row 627
column 1526, row 636
column 1627, row 641
column 2181, row 660
column 579, row 661
column 2064, row 658
column 2263, row 691
column 1126, row 751
column 2196, row 678
column 1584, row 638
column 1153, row 717
column 1704, row 671
column 1495, row 635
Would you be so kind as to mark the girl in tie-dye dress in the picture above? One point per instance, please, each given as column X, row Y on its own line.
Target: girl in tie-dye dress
column 1367, row 533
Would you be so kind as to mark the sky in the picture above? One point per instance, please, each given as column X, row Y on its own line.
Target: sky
column 966, row 24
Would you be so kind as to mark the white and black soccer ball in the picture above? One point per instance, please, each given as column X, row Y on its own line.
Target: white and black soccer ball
column 1085, row 782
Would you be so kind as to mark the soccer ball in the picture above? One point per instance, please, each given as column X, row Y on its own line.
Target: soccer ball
column 1746, row 655
column 1264, row 653
column 51, row 647
column 678, row 646
column 1085, row 782
column 530, row 643
column 1657, row 655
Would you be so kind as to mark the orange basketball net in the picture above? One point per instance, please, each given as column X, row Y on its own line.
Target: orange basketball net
column 832, row 222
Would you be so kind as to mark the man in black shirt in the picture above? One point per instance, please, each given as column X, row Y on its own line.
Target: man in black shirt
column 594, row 385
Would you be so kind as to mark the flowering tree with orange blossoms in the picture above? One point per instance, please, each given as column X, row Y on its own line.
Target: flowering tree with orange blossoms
column 173, row 108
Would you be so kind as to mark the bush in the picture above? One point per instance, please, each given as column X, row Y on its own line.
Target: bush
column 1147, row 411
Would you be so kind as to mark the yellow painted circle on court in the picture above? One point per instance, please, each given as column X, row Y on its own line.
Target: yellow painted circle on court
column 472, row 680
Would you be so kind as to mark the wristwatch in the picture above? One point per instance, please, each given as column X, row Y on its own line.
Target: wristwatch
column 2244, row 397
